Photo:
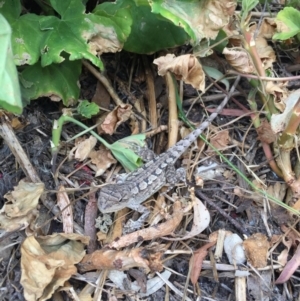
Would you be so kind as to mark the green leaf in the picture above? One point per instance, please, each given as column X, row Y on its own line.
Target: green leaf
column 27, row 37
column 150, row 32
column 87, row 109
column 221, row 41
column 290, row 18
column 116, row 19
column 200, row 19
column 123, row 150
column 10, row 97
column 247, row 6
column 68, row 34
column 57, row 81
column 217, row 75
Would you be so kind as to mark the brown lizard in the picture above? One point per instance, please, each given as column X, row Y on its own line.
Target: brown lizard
column 142, row 183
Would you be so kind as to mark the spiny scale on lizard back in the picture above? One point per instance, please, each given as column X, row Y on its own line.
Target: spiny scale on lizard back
column 181, row 146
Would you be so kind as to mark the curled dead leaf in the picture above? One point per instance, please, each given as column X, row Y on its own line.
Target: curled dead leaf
column 280, row 121
column 101, row 159
column 280, row 93
column 265, row 52
column 185, row 67
column 82, row 148
column 105, row 41
column 267, row 28
column 239, row 59
column 120, row 114
column 20, row 208
column 48, row 261
column 219, row 141
column 213, row 16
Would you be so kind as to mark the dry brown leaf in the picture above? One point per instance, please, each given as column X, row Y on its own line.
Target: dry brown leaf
column 101, row 160
column 120, row 114
column 201, row 219
column 20, row 208
column 185, row 67
column 239, row 59
column 233, row 35
column 267, row 28
column 48, row 261
column 219, row 141
column 84, row 148
column 280, row 121
column 153, row 232
column 265, row 52
column 256, row 249
column 265, row 133
column 22, row 199
column 290, row 267
column 17, row 223
column 197, row 260
column 279, row 92
column 146, row 258
column 213, row 16
column 105, row 41
column 63, row 203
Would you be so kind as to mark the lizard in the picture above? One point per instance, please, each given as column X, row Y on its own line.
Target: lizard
column 141, row 184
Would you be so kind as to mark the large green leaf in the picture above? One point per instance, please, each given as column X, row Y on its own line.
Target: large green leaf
column 27, row 36
column 289, row 21
column 10, row 98
column 149, row 32
column 199, row 19
column 116, row 19
column 57, row 81
column 67, row 33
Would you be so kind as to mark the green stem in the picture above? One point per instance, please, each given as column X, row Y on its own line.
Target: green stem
column 57, row 128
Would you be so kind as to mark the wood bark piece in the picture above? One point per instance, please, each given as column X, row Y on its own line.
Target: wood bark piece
column 146, row 258
column 14, row 145
column 156, row 231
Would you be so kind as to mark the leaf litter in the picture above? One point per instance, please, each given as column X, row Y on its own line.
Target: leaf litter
column 159, row 251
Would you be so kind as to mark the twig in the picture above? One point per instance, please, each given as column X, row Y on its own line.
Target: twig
column 271, row 79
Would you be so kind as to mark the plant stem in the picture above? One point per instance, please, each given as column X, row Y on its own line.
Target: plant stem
column 57, row 128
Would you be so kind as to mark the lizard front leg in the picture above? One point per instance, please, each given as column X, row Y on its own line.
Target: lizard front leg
column 174, row 176
column 132, row 225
